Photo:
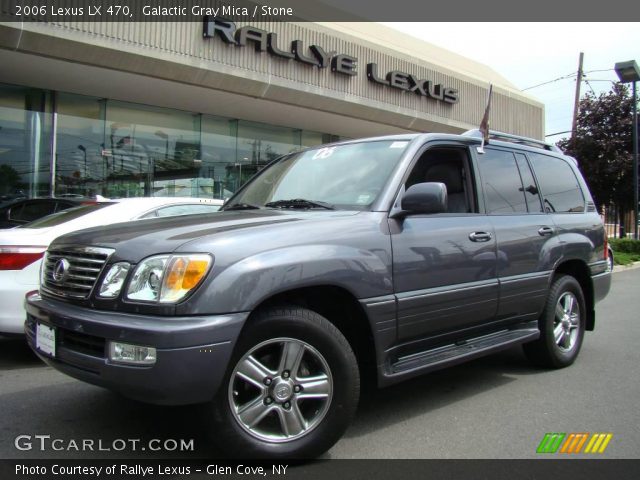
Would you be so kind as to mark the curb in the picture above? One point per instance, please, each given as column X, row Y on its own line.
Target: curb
column 622, row 268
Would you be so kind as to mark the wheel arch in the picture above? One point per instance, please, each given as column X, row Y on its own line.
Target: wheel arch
column 342, row 309
column 579, row 270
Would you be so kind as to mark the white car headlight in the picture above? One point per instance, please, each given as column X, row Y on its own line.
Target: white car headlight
column 167, row 278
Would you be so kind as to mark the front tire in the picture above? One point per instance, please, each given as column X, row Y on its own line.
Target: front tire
column 291, row 388
column 562, row 325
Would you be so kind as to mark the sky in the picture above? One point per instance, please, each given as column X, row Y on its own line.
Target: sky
column 528, row 54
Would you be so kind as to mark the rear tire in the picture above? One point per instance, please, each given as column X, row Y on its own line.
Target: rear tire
column 610, row 260
column 291, row 388
column 562, row 325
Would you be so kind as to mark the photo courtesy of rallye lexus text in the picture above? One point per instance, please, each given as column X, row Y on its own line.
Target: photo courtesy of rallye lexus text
column 427, row 250
column 116, row 469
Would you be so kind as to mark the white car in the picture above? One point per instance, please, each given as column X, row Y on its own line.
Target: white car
column 22, row 248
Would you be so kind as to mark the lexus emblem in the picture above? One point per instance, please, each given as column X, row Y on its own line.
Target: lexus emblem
column 60, row 270
column 283, row 392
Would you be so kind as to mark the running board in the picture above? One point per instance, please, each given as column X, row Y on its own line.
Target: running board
column 459, row 352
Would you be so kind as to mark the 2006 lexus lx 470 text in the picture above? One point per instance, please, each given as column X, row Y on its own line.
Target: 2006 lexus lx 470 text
column 390, row 257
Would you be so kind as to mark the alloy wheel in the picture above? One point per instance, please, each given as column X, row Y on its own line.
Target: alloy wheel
column 280, row 390
column 567, row 321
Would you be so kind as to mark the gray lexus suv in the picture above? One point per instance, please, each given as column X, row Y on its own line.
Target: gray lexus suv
column 386, row 258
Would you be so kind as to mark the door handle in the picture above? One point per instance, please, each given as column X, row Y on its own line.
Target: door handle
column 543, row 231
column 479, row 236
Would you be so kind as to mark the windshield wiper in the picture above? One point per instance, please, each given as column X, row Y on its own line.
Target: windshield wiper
column 299, row 203
column 242, row 206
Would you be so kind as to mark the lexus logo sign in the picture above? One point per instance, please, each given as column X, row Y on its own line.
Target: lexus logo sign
column 61, row 270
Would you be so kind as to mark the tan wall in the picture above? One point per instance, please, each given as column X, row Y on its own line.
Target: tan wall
column 177, row 52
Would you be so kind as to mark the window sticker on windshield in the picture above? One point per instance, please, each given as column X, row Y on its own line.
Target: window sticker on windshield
column 324, row 152
column 363, row 199
column 398, row 145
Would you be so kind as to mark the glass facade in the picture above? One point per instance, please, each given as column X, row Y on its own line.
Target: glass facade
column 25, row 142
column 120, row 149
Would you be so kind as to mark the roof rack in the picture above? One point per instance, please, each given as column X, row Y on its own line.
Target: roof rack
column 507, row 137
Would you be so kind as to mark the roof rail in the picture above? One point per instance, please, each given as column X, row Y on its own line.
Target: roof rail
column 507, row 137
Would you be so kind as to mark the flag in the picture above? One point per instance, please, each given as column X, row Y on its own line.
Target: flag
column 484, row 125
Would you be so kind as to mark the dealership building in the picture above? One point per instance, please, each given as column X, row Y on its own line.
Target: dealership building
column 195, row 108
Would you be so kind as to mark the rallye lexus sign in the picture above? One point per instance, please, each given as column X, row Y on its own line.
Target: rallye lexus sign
column 317, row 56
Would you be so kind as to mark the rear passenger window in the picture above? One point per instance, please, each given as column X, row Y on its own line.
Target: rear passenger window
column 501, row 181
column 531, row 194
column 558, row 184
column 33, row 211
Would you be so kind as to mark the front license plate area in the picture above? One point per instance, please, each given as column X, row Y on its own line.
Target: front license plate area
column 46, row 339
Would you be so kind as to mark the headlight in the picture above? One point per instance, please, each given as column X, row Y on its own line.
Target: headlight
column 147, row 278
column 113, row 280
column 167, row 278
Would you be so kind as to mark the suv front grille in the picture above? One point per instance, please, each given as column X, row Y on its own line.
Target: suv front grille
column 71, row 272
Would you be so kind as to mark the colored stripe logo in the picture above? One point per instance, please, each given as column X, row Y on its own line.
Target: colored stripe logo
column 574, row 442
column 598, row 443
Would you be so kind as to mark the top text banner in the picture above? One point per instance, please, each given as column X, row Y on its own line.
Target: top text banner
column 318, row 10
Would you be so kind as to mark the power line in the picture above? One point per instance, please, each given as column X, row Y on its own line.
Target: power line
column 601, row 80
column 557, row 133
column 570, row 75
column 602, row 70
column 551, row 81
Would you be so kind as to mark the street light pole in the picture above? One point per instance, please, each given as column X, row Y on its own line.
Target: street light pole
column 635, row 161
column 628, row 72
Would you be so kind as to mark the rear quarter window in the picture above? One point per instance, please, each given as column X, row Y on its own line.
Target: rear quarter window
column 559, row 186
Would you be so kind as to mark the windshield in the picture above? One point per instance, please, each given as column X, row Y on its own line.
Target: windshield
column 343, row 176
column 65, row 216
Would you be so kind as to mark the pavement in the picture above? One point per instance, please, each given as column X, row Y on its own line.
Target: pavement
column 495, row 407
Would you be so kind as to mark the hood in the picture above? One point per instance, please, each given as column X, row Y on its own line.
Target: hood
column 134, row 241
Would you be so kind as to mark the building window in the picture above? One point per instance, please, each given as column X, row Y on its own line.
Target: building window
column 119, row 149
column 25, row 134
column 80, row 166
column 219, row 155
column 150, row 151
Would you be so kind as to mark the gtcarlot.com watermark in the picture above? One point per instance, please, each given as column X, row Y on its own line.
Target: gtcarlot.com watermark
column 44, row 443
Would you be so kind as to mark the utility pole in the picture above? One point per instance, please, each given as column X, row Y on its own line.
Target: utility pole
column 635, row 161
column 576, row 102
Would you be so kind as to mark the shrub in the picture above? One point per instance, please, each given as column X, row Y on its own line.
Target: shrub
column 627, row 245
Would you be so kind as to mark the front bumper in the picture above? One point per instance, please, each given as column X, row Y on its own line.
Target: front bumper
column 192, row 352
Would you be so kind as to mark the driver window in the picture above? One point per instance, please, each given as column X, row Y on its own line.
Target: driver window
column 449, row 166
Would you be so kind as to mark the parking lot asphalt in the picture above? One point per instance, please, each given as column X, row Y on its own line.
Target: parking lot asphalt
column 495, row 407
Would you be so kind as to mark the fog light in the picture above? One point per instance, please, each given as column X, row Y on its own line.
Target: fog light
column 131, row 354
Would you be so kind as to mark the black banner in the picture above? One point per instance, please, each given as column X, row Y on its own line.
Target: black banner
column 315, row 10
column 542, row 469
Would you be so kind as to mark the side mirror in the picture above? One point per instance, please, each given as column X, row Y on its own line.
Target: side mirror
column 430, row 197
